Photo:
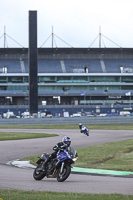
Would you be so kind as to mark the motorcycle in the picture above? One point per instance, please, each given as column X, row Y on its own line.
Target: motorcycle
column 59, row 167
column 85, row 131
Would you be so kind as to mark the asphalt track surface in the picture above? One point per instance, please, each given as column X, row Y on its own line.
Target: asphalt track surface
column 22, row 179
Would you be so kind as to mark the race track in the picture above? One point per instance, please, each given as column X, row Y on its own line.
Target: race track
column 18, row 178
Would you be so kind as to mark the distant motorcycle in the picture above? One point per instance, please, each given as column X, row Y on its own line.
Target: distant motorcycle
column 85, row 131
column 59, row 167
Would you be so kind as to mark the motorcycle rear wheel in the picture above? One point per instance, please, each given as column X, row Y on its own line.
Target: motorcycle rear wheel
column 38, row 175
column 66, row 172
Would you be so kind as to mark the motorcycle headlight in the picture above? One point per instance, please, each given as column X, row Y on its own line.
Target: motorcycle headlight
column 74, row 159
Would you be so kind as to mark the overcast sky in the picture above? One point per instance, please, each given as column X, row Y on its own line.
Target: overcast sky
column 77, row 22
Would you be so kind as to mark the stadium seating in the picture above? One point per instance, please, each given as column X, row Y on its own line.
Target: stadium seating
column 93, row 65
column 12, row 65
column 67, row 65
column 49, row 66
column 113, row 65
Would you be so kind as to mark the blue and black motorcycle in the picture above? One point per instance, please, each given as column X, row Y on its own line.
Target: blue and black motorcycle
column 59, row 167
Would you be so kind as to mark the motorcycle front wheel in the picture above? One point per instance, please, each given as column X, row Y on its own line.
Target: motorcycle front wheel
column 64, row 175
column 38, row 175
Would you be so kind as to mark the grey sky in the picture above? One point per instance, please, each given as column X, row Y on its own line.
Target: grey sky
column 76, row 22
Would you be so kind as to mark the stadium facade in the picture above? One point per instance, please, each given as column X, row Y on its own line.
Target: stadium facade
column 83, row 80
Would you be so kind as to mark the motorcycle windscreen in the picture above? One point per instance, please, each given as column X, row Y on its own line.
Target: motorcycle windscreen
column 72, row 152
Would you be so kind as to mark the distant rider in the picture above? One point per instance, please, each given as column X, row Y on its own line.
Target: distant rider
column 66, row 141
column 83, row 129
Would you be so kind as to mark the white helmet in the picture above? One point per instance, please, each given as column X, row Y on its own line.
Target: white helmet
column 80, row 125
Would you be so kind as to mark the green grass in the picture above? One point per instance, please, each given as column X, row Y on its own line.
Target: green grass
column 111, row 156
column 21, row 135
column 32, row 159
column 32, row 195
column 121, row 126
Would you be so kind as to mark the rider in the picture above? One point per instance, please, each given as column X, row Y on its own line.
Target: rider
column 66, row 141
column 83, row 129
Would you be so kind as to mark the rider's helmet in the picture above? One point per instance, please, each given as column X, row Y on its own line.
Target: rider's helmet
column 80, row 125
column 66, row 140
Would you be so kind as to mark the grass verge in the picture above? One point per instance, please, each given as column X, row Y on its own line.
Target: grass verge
column 121, row 126
column 32, row 195
column 109, row 156
column 21, row 135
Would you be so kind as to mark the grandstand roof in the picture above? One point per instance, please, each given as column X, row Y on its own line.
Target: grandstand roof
column 57, row 51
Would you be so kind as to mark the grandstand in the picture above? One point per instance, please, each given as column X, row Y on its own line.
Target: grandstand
column 73, row 79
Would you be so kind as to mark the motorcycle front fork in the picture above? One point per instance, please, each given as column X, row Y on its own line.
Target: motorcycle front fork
column 62, row 167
